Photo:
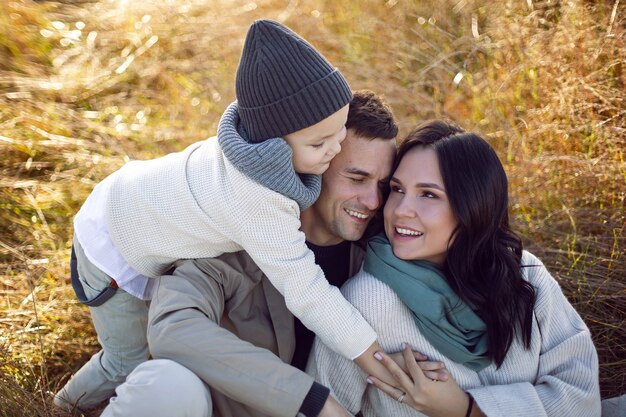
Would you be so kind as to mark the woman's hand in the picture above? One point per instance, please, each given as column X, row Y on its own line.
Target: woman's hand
column 429, row 396
column 373, row 367
column 432, row 369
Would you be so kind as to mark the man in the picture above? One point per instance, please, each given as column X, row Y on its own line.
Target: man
column 229, row 327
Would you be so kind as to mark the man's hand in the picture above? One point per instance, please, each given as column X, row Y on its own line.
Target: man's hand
column 333, row 409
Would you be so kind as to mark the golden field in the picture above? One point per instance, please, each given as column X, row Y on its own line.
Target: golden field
column 87, row 85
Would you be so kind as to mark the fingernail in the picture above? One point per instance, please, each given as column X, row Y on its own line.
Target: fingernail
column 403, row 345
column 369, row 381
column 378, row 356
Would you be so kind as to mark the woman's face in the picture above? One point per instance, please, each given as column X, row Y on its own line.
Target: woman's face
column 418, row 216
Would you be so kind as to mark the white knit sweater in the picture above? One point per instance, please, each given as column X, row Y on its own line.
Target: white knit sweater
column 196, row 204
column 557, row 376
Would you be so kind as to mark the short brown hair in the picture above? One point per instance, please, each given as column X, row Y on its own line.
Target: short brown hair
column 370, row 116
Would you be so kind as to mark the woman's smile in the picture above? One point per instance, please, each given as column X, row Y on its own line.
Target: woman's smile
column 407, row 232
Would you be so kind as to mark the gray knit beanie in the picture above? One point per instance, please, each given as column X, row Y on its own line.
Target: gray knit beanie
column 284, row 84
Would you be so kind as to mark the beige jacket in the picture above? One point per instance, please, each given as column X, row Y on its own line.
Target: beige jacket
column 228, row 324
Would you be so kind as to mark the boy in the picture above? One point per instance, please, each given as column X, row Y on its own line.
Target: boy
column 242, row 190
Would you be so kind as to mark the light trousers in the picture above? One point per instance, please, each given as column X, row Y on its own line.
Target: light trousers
column 160, row 387
column 121, row 324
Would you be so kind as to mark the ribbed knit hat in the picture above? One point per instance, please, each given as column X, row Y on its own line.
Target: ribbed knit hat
column 284, row 84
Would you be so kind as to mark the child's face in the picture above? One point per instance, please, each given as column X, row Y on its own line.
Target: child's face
column 315, row 146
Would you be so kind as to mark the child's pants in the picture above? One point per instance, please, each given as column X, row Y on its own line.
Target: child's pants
column 121, row 327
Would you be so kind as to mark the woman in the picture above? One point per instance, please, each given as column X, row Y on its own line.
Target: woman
column 451, row 279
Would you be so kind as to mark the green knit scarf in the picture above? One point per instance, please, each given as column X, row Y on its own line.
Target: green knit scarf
column 446, row 321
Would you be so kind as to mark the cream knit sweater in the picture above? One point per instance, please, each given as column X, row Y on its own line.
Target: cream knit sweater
column 558, row 376
column 196, row 204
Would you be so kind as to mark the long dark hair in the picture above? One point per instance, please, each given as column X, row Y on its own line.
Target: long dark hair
column 483, row 262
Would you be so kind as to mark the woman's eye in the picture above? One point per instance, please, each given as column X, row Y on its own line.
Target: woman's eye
column 318, row 145
column 428, row 194
column 396, row 189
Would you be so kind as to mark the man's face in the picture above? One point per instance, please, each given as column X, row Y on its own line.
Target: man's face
column 351, row 191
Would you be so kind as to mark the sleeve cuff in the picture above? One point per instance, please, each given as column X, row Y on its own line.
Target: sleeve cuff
column 314, row 400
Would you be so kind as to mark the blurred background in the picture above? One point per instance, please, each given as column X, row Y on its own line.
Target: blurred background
column 87, row 85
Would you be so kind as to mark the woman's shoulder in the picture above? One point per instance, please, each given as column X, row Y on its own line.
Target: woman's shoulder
column 533, row 270
column 547, row 288
column 528, row 259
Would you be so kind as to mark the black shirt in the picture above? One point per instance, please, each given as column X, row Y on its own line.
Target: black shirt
column 335, row 262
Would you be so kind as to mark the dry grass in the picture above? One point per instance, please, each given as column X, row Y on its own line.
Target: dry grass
column 86, row 85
